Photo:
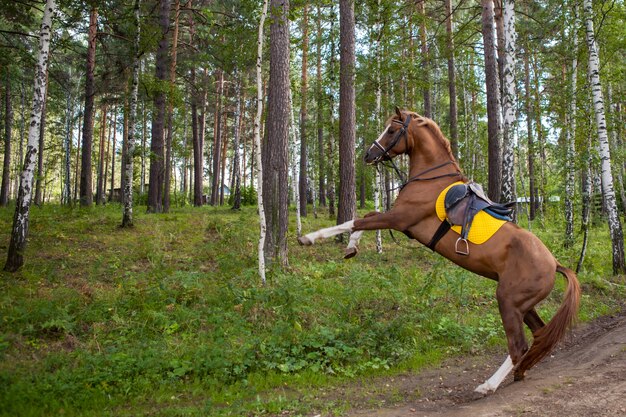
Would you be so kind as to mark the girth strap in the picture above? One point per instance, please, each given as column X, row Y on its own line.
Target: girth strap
column 441, row 231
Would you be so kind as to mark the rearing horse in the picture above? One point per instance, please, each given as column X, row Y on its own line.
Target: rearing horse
column 521, row 264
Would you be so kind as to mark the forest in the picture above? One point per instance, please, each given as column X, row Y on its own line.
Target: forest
column 160, row 158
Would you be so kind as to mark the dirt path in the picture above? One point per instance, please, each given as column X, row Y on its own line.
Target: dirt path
column 585, row 377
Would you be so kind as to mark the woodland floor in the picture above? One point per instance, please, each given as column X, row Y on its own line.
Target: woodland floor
column 585, row 376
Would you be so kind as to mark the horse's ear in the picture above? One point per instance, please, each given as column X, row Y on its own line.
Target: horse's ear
column 398, row 112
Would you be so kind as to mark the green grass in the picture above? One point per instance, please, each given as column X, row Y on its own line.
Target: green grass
column 170, row 319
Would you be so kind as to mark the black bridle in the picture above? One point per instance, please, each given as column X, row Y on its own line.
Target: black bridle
column 402, row 133
column 384, row 157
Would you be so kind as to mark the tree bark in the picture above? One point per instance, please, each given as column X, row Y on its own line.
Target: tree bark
column 608, row 192
column 509, row 103
column 101, row 157
column 421, row 6
column 157, row 168
column 217, row 140
column 127, row 163
column 304, row 181
column 113, row 153
column 170, row 113
column 532, row 200
column 320, row 112
column 493, row 102
column 8, row 124
column 86, row 178
column 347, row 113
column 236, row 142
column 42, row 130
column 257, row 144
column 15, row 255
column 571, row 140
column 454, row 139
column 275, row 150
column 67, row 146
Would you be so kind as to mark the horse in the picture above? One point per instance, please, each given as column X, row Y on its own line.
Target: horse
column 521, row 264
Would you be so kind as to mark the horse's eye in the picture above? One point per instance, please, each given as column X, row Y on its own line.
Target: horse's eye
column 390, row 131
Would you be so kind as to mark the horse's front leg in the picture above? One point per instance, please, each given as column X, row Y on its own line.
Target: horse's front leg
column 310, row 238
column 352, row 248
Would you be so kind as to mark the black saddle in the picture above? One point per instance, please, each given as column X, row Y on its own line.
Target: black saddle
column 463, row 201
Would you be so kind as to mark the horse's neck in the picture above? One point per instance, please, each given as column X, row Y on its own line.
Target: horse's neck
column 424, row 158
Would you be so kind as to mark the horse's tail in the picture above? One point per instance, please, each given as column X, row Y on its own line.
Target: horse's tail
column 548, row 336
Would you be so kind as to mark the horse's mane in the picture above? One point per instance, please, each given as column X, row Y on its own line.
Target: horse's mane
column 435, row 130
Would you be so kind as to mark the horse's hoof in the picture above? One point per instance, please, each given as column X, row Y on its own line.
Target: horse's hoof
column 518, row 376
column 485, row 389
column 304, row 241
column 350, row 253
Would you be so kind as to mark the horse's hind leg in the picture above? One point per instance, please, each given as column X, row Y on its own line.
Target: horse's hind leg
column 512, row 320
column 533, row 321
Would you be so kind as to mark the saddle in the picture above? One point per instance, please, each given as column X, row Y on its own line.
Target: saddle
column 462, row 202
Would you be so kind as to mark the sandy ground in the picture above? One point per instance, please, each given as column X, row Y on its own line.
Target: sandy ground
column 585, row 376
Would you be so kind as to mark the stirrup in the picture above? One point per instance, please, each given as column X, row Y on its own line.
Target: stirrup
column 456, row 246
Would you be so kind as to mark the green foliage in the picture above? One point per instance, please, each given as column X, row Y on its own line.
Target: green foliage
column 170, row 316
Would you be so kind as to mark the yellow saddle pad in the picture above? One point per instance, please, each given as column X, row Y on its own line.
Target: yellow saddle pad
column 483, row 227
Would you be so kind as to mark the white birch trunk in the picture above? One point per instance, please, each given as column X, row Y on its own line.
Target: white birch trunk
column 294, row 165
column 509, row 104
column 15, row 258
column 571, row 139
column 615, row 227
column 378, row 178
column 127, row 164
column 257, row 143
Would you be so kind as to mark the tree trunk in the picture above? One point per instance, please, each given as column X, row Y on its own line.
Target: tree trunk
column 67, row 146
column 127, row 163
column 77, row 166
column 197, row 144
column 86, row 178
column 275, row 150
column 615, row 226
column 304, row 181
column 532, row 200
column 320, row 112
column 170, row 114
column 493, row 102
column 144, row 136
column 217, row 140
column 347, row 113
column 425, row 76
column 8, row 123
column 294, row 166
column 571, row 140
column 509, row 104
column 257, row 144
column 236, row 190
column 113, row 154
column 157, row 168
column 15, row 255
column 42, row 130
column 101, row 157
column 454, row 139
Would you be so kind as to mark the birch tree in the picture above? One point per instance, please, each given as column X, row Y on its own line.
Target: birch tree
column 257, row 143
column 570, row 141
column 127, row 163
column 608, row 192
column 493, row 101
column 509, row 103
column 15, row 257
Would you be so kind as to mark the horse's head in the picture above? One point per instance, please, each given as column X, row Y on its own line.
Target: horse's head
column 392, row 141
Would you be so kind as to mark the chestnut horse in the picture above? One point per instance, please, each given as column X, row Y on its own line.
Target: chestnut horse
column 521, row 264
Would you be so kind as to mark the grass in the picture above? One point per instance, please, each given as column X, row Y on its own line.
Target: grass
column 169, row 318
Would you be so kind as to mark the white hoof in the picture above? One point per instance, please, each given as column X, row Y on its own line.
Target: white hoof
column 485, row 388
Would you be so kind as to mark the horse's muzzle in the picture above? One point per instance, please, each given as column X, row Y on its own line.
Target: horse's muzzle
column 373, row 156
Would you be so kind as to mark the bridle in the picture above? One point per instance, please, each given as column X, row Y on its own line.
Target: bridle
column 384, row 157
